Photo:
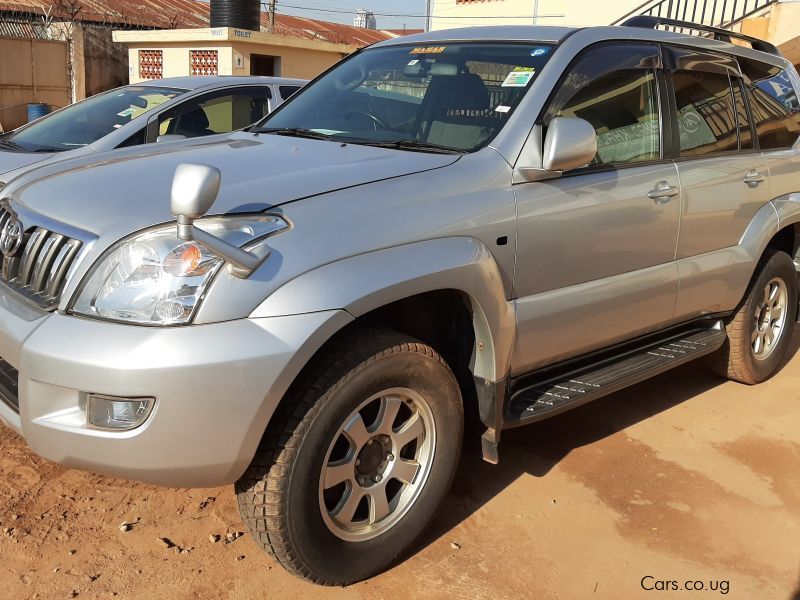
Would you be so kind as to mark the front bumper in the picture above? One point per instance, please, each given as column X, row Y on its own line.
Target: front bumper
column 216, row 387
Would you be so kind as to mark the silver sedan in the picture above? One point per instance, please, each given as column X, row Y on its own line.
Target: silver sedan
column 151, row 111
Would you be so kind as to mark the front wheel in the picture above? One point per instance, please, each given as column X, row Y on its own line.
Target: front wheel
column 760, row 331
column 357, row 458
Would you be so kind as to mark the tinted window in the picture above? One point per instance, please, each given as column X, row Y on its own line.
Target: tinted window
column 707, row 119
column 288, row 90
column 453, row 95
column 608, row 88
column 136, row 139
column 218, row 112
column 774, row 103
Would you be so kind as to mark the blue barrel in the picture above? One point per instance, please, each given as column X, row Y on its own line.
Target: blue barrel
column 36, row 110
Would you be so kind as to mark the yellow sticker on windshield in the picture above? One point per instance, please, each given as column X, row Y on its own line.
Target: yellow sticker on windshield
column 429, row 50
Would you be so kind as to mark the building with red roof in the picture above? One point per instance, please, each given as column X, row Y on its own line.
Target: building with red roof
column 107, row 43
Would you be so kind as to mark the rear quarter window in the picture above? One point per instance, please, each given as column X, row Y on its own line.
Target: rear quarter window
column 774, row 104
column 287, row 91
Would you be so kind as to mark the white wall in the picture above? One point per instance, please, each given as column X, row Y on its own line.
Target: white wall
column 578, row 13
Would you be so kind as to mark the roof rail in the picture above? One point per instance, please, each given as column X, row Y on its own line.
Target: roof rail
column 724, row 35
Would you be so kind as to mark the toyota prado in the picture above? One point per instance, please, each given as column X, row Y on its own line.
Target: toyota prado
column 502, row 222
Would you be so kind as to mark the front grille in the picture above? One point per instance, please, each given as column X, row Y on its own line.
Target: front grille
column 38, row 269
column 9, row 385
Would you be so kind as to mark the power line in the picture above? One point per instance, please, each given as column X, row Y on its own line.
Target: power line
column 413, row 16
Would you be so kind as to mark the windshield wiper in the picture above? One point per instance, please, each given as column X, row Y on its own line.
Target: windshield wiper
column 293, row 132
column 9, row 145
column 413, row 145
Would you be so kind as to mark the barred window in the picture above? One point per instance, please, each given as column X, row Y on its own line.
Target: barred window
column 204, row 62
column 151, row 64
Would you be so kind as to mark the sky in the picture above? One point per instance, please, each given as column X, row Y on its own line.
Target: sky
column 324, row 10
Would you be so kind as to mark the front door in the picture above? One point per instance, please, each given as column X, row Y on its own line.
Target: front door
column 596, row 247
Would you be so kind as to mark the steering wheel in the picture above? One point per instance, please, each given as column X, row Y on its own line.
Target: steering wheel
column 376, row 121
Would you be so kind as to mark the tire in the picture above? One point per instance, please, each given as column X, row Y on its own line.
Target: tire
column 747, row 356
column 302, row 522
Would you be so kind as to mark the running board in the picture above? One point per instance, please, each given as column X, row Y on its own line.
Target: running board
column 553, row 394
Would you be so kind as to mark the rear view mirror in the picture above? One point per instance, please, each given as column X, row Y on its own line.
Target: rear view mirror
column 570, row 143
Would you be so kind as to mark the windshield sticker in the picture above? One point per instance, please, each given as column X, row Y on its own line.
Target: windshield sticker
column 429, row 50
column 539, row 51
column 126, row 113
column 502, row 109
column 411, row 63
column 519, row 77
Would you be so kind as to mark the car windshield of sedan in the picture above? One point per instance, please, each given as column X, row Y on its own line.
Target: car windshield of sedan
column 436, row 97
column 86, row 122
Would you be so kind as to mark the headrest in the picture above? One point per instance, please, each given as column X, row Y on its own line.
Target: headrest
column 196, row 119
column 464, row 92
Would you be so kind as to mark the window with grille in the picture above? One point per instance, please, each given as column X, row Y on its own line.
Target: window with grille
column 151, row 64
column 204, row 62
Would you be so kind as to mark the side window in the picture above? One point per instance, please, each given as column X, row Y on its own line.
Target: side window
column 136, row 139
column 707, row 119
column 774, row 104
column 287, row 91
column 217, row 112
column 615, row 88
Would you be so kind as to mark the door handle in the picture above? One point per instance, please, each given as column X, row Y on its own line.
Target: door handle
column 753, row 178
column 663, row 192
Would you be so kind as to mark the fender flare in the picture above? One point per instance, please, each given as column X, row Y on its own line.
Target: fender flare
column 365, row 282
column 787, row 210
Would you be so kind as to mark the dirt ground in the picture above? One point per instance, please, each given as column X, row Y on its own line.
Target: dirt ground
column 683, row 478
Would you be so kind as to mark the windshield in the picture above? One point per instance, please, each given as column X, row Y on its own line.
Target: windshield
column 88, row 121
column 448, row 97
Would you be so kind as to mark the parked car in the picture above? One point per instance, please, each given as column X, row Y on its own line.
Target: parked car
column 502, row 221
column 161, row 109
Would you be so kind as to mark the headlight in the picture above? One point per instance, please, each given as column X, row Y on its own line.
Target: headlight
column 156, row 279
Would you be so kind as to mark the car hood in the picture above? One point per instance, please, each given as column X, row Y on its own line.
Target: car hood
column 127, row 190
column 11, row 161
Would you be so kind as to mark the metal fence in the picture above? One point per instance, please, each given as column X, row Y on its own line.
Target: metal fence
column 724, row 14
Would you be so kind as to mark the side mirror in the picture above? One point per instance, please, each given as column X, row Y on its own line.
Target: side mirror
column 194, row 190
column 170, row 137
column 570, row 143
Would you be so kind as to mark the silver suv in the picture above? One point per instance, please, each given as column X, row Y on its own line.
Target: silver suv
column 500, row 222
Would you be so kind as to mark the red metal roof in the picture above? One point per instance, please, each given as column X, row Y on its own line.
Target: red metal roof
column 184, row 14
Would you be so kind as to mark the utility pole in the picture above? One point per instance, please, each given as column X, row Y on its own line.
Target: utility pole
column 428, row 11
column 272, row 4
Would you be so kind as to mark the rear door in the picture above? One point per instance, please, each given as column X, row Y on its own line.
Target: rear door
column 724, row 178
column 776, row 112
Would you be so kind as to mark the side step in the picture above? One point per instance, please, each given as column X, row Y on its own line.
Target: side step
column 553, row 393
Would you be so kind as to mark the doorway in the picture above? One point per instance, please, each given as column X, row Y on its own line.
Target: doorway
column 262, row 64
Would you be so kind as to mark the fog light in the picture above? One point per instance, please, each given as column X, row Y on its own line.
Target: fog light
column 110, row 412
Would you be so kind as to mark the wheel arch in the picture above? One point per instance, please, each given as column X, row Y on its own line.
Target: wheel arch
column 414, row 275
column 775, row 226
column 787, row 236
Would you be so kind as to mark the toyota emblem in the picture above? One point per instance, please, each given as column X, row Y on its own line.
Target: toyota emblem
column 11, row 237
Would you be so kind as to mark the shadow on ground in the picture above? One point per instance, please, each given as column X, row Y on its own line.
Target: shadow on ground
column 536, row 449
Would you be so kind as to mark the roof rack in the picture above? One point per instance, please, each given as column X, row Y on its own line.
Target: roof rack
column 723, row 35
